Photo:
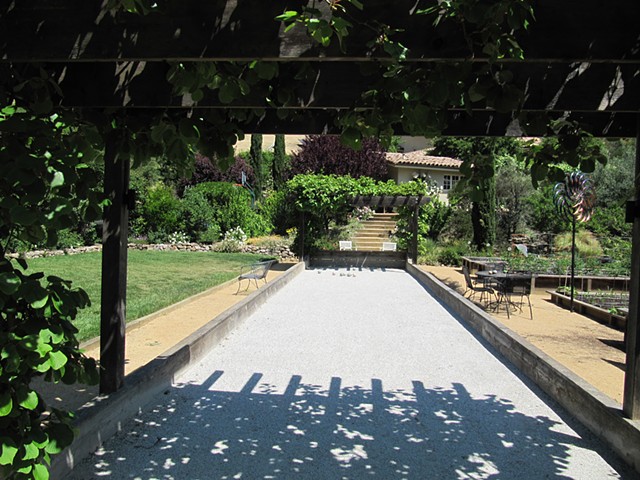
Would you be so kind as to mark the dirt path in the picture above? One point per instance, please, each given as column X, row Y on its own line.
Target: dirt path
column 157, row 333
column 591, row 350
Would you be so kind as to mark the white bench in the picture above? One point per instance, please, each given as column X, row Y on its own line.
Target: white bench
column 389, row 246
column 345, row 245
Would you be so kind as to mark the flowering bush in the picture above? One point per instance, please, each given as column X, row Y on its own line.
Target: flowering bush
column 362, row 213
column 177, row 238
column 233, row 240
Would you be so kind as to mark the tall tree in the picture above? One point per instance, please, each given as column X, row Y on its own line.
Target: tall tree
column 483, row 211
column 479, row 157
column 255, row 154
column 326, row 154
column 513, row 189
column 280, row 163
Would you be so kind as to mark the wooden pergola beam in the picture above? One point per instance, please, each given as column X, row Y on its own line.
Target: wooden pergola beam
column 582, row 87
column 62, row 30
column 459, row 123
column 389, row 201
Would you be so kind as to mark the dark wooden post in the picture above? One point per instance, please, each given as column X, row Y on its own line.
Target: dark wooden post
column 631, row 402
column 114, row 268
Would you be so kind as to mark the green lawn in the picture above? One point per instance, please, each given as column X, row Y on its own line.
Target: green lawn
column 154, row 279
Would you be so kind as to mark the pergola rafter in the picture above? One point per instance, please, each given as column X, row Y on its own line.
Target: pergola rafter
column 582, row 63
column 566, row 31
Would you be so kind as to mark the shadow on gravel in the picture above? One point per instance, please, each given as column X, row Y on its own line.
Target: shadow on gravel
column 310, row 431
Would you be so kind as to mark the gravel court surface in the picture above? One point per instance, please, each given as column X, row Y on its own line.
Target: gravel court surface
column 352, row 374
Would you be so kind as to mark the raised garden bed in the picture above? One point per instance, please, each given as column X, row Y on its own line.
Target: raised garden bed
column 615, row 318
column 481, row 263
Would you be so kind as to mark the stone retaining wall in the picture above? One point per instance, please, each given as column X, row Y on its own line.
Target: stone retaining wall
column 282, row 252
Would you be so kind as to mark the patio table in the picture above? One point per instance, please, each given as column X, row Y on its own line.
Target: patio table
column 502, row 282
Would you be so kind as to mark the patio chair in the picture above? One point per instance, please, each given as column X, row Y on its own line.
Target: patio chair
column 473, row 288
column 255, row 271
column 516, row 286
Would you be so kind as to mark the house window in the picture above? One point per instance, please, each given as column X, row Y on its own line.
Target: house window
column 450, row 182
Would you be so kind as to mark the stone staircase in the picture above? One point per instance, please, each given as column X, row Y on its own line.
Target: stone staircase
column 374, row 231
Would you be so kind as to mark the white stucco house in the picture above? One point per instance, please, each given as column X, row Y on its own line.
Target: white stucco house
column 445, row 171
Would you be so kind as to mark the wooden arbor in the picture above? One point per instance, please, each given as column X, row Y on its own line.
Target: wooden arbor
column 582, row 63
column 391, row 201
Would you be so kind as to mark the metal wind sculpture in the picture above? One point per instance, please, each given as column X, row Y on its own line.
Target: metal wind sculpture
column 575, row 199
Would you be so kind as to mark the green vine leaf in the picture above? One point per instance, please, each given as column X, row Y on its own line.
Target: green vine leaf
column 31, row 401
column 9, row 451
column 60, row 437
column 31, row 451
column 57, row 360
column 40, row 472
column 58, row 180
column 9, row 283
column 6, row 404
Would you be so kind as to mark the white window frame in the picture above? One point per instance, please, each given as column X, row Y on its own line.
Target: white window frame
column 450, row 182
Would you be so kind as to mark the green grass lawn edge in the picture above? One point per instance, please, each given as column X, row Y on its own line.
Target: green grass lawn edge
column 155, row 279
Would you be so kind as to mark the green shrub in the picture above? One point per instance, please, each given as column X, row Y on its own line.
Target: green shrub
column 278, row 210
column 210, row 235
column 68, row 238
column 198, row 214
column 160, row 213
column 458, row 225
column 430, row 255
column 544, row 216
column 587, row 244
column 452, row 254
column 223, row 204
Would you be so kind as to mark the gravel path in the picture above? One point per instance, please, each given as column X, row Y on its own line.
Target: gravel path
column 352, row 374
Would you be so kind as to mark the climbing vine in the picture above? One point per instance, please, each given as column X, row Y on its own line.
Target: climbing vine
column 48, row 183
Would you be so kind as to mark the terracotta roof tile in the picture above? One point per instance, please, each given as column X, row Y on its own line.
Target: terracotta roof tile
column 423, row 159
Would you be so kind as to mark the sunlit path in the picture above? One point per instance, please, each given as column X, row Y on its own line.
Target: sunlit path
column 352, row 374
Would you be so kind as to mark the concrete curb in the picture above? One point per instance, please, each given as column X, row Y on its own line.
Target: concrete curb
column 596, row 411
column 108, row 414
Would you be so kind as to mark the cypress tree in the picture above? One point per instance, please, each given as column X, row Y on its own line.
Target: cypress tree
column 255, row 154
column 279, row 165
column 483, row 212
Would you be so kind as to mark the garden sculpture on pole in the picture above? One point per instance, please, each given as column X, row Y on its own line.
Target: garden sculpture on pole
column 575, row 199
column 247, row 185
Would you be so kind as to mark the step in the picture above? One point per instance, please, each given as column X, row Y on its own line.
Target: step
column 372, row 235
column 374, row 223
column 366, row 228
column 368, row 245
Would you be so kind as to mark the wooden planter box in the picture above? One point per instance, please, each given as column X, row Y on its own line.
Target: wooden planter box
column 599, row 314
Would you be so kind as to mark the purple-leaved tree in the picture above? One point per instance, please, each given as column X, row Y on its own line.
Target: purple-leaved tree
column 207, row 170
column 325, row 154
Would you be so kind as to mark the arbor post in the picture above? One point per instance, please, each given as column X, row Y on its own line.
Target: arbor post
column 114, row 268
column 631, row 401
